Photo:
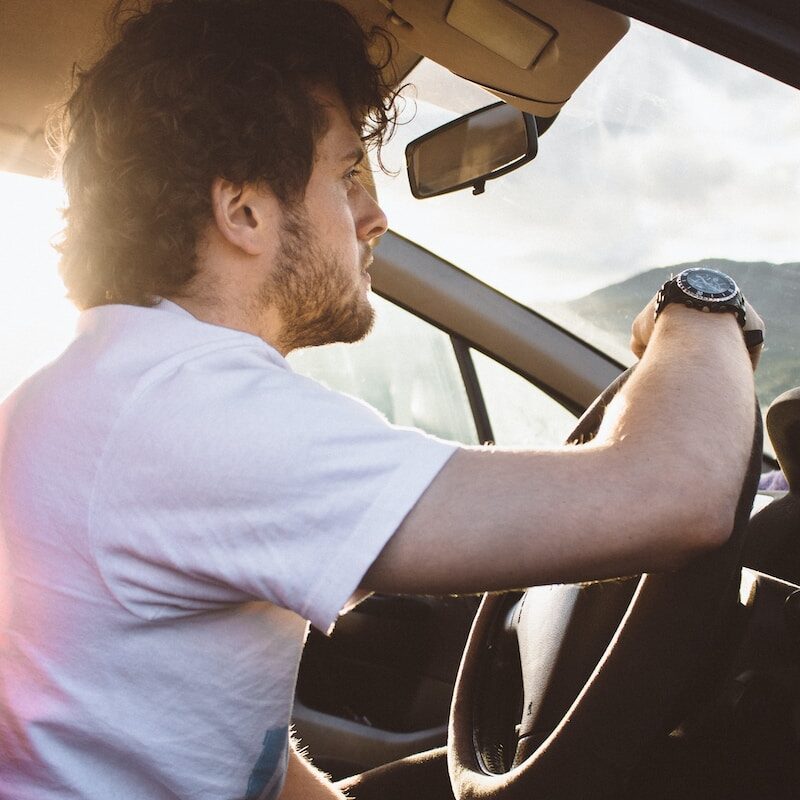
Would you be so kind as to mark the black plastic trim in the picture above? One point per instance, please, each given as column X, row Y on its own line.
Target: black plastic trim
column 761, row 34
column 469, row 376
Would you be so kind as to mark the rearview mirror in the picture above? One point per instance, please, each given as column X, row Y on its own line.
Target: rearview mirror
column 471, row 150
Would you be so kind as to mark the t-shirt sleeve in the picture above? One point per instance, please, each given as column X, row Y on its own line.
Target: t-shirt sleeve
column 230, row 478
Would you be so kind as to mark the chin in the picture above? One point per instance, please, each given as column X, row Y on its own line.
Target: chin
column 345, row 325
column 358, row 325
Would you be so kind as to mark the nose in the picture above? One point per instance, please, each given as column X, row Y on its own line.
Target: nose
column 371, row 222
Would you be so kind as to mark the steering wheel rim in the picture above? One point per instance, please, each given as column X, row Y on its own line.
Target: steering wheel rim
column 632, row 691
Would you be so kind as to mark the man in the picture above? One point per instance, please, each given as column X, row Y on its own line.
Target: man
column 176, row 503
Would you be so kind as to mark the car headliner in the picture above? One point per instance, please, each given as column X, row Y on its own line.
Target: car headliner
column 41, row 40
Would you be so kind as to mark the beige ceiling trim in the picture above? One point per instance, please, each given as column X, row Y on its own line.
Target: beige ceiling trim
column 40, row 40
column 533, row 52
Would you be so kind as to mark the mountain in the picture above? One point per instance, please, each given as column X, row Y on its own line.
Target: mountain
column 773, row 289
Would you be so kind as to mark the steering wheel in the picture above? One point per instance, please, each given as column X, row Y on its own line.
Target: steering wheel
column 562, row 687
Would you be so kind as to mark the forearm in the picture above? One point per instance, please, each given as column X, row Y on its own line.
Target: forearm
column 691, row 401
column 305, row 782
column 658, row 484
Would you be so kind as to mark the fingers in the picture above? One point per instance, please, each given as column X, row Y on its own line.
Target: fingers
column 753, row 322
column 642, row 329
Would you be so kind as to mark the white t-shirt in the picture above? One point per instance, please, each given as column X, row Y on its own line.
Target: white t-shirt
column 175, row 503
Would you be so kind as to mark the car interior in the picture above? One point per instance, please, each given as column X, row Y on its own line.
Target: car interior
column 661, row 686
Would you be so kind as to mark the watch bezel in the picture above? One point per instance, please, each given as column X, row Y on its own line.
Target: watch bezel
column 681, row 280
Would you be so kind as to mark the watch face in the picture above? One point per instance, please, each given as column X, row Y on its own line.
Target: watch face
column 707, row 284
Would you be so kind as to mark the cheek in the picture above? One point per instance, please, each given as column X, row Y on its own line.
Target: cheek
column 329, row 206
column 338, row 225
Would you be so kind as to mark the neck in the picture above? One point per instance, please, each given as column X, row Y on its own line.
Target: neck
column 239, row 316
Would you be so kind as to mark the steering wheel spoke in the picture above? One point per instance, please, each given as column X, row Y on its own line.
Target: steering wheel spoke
column 563, row 632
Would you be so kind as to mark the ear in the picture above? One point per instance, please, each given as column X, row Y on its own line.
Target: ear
column 245, row 216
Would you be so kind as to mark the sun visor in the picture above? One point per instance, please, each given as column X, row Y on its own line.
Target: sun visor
column 531, row 53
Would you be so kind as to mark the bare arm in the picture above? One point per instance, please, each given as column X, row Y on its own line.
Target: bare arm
column 305, row 782
column 658, row 484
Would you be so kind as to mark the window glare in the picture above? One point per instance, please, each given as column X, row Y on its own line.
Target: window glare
column 521, row 415
column 36, row 320
column 405, row 368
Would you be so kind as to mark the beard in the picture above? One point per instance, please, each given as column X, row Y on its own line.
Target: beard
column 318, row 297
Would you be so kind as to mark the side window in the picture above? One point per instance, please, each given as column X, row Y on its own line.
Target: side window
column 521, row 415
column 405, row 368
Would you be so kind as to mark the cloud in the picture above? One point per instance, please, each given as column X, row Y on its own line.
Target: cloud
column 667, row 153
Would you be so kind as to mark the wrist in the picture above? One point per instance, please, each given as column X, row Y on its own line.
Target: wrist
column 677, row 318
column 690, row 325
column 676, row 314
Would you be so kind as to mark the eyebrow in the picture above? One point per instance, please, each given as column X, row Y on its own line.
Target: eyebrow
column 354, row 156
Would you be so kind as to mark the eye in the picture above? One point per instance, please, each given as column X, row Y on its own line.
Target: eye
column 352, row 174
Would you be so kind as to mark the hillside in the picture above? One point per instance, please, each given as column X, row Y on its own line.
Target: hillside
column 773, row 290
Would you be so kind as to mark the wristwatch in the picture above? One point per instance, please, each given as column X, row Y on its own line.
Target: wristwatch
column 704, row 289
column 707, row 290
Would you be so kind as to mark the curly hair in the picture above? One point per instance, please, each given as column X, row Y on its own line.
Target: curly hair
column 193, row 90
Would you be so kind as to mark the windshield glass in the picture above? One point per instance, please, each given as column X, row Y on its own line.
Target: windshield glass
column 667, row 155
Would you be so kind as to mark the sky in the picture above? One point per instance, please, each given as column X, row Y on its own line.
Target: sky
column 666, row 154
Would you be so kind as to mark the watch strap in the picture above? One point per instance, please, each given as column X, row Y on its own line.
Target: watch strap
column 753, row 339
